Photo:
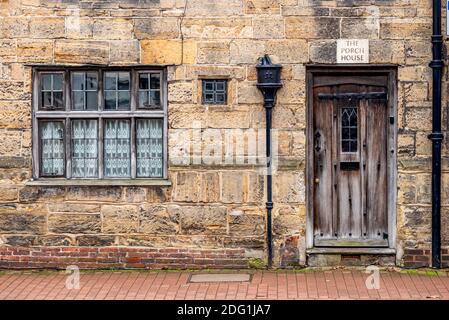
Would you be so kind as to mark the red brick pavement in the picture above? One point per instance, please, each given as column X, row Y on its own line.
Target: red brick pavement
column 331, row 284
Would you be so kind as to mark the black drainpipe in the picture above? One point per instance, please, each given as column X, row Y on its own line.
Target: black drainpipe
column 269, row 204
column 269, row 82
column 436, row 136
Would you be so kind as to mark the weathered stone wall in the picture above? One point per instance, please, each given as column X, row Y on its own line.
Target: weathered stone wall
column 212, row 207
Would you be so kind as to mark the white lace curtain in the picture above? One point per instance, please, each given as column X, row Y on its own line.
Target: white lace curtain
column 52, row 142
column 84, row 148
column 149, row 148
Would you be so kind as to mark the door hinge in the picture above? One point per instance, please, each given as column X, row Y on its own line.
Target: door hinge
column 353, row 95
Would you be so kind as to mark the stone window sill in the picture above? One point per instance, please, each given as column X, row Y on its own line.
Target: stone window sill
column 94, row 183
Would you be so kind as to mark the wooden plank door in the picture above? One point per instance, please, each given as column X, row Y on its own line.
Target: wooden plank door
column 350, row 159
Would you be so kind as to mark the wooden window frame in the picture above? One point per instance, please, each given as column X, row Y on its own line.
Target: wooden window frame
column 137, row 89
column 67, row 114
column 72, row 91
column 117, row 91
column 64, row 141
column 39, row 89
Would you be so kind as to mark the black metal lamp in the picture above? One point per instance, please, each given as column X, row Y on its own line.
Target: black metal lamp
column 269, row 82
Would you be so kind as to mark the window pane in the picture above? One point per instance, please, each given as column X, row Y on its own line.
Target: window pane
column 57, row 82
column 117, row 148
column 52, row 148
column 123, row 81
column 155, row 81
column 345, row 133
column 46, row 82
column 110, row 81
column 78, row 81
column 143, row 81
column 143, row 99
column 209, row 98
column 345, row 146
column 353, row 133
column 57, row 100
column 84, row 148
column 220, row 86
column 91, row 100
column 46, row 99
column 353, row 146
column 349, row 129
column 155, row 98
column 220, row 98
column 123, row 100
column 78, row 100
column 149, row 140
column 110, row 100
column 91, row 81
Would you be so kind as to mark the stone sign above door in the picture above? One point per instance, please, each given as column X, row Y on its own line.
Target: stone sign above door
column 353, row 51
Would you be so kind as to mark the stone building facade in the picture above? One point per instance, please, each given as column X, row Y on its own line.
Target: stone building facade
column 205, row 211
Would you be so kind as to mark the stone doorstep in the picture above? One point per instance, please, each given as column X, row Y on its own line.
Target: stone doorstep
column 220, row 277
column 321, row 257
column 349, row 251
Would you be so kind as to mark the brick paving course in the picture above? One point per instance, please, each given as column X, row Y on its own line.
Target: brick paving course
column 311, row 284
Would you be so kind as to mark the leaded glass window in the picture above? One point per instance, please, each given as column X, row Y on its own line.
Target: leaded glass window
column 349, row 129
column 52, row 148
column 52, row 91
column 112, row 125
column 84, row 91
column 149, row 90
column 84, row 148
column 116, row 91
column 214, row 91
column 117, row 148
column 149, row 147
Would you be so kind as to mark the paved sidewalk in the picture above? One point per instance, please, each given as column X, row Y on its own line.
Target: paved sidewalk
column 332, row 284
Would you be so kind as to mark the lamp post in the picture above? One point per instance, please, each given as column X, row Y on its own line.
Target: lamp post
column 269, row 82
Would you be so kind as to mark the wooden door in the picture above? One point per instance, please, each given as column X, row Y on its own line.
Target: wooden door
column 350, row 161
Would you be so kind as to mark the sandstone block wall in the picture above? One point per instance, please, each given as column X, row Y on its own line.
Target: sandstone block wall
column 212, row 214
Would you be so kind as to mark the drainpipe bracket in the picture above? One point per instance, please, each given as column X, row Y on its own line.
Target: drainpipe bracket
column 435, row 136
column 436, row 64
column 437, row 38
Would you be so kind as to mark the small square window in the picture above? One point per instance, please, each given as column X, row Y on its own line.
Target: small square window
column 214, row 91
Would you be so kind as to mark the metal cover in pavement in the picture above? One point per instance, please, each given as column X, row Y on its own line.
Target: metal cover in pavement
column 220, row 277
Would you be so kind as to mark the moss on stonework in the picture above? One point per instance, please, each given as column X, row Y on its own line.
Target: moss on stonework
column 425, row 271
column 256, row 263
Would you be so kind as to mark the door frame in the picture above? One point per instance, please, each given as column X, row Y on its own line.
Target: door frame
column 365, row 70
